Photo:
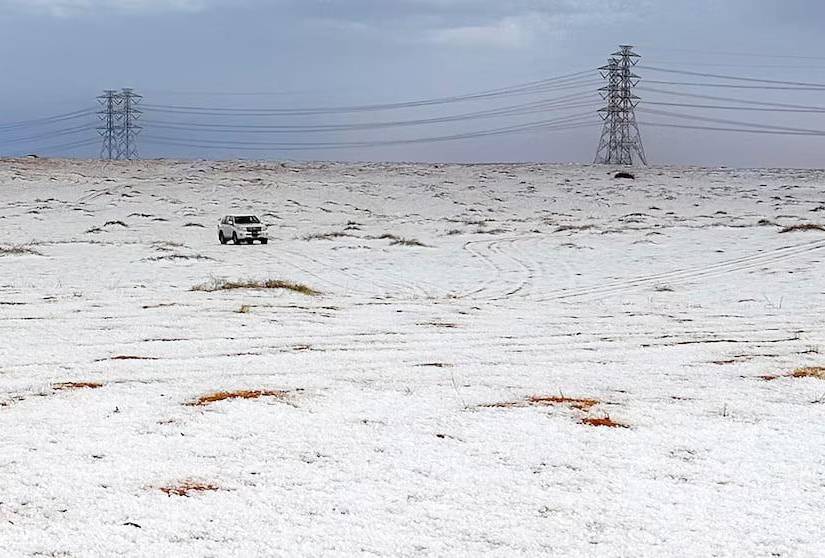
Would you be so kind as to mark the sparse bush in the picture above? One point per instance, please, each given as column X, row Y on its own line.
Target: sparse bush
column 625, row 175
column 817, row 372
column 325, row 236
column 217, row 396
column 66, row 386
column 406, row 242
column 603, row 421
column 804, row 227
column 565, row 228
column 187, row 487
column 223, row 285
column 18, row 250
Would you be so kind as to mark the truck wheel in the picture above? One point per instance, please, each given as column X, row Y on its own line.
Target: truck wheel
column 264, row 240
column 221, row 237
column 235, row 239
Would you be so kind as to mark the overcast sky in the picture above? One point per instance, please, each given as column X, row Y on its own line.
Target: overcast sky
column 59, row 54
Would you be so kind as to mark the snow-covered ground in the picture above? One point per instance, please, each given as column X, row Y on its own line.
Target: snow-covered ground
column 407, row 426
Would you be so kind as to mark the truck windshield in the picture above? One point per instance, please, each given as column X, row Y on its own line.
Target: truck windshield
column 246, row 220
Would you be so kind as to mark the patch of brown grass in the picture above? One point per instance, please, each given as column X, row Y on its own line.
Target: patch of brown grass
column 217, row 396
column 66, row 386
column 222, row 285
column 188, row 487
column 548, row 401
column 580, row 404
column 603, row 421
column 817, row 372
column 803, row 227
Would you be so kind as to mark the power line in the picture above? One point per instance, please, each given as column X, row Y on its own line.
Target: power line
column 736, row 86
column 738, row 130
column 733, row 122
column 569, row 122
column 734, row 78
column 47, row 119
column 561, row 104
column 552, row 84
column 728, row 99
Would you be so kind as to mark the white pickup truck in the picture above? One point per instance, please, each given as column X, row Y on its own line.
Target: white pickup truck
column 242, row 229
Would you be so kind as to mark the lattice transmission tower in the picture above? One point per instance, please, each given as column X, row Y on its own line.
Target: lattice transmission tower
column 109, row 112
column 119, row 112
column 127, row 139
column 620, row 142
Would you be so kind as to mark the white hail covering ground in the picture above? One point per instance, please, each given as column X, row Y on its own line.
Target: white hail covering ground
column 665, row 299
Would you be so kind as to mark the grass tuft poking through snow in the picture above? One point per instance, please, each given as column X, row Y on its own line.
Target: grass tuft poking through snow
column 407, row 242
column 548, row 401
column 217, row 396
column 603, row 421
column 817, row 372
column 221, row 285
column 803, row 227
column 187, row 487
column 67, row 386
column 18, row 250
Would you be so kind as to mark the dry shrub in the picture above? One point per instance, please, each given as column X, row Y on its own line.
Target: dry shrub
column 548, row 401
column 580, row 404
column 217, row 396
column 804, row 227
column 817, row 372
column 326, row 236
column 406, row 242
column 244, row 309
column 566, row 228
column 603, row 421
column 131, row 357
column 18, row 250
column 187, row 487
column 221, row 285
column 66, row 386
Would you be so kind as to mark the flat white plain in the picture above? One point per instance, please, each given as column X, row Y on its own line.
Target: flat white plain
column 408, row 428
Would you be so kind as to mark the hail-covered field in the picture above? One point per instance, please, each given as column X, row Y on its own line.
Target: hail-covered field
column 502, row 359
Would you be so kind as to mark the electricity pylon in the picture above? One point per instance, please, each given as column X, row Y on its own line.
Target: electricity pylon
column 127, row 138
column 109, row 110
column 119, row 113
column 620, row 142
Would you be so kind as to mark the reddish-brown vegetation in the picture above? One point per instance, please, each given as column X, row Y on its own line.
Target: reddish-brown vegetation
column 187, row 487
column 214, row 397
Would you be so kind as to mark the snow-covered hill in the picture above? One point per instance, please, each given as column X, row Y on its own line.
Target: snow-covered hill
column 445, row 394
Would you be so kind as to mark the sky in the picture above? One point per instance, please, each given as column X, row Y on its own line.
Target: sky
column 60, row 54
